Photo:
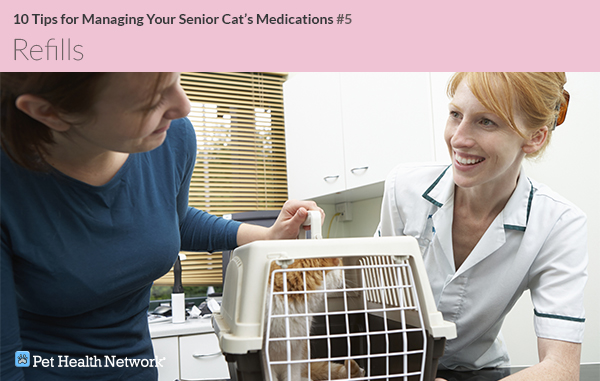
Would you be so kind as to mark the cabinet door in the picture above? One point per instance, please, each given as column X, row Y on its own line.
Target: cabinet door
column 314, row 136
column 201, row 358
column 387, row 121
column 167, row 348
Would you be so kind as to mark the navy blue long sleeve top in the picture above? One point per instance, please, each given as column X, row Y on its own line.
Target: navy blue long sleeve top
column 78, row 260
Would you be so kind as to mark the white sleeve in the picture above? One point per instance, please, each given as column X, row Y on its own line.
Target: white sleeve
column 390, row 221
column 558, row 277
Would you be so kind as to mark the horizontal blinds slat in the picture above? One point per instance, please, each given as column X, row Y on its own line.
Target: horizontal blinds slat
column 236, row 107
column 235, row 95
column 246, row 156
column 208, row 125
column 245, row 175
column 220, row 150
column 193, row 279
column 238, row 205
column 234, row 77
column 237, row 100
column 225, row 143
column 238, row 185
column 233, row 130
column 246, row 159
column 217, row 161
column 203, row 168
column 251, row 197
column 208, row 185
column 241, row 187
column 232, row 82
column 234, row 209
column 275, row 76
column 238, row 168
column 222, row 207
column 246, row 143
column 230, row 89
column 222, row 179
column 224, row 128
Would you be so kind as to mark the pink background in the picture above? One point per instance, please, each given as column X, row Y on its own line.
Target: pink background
column 383, row 36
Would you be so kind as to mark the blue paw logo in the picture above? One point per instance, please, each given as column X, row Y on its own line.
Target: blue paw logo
column 22, row 358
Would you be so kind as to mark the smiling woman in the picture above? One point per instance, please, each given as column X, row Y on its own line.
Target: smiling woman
column 540, row 98
column 488, row 232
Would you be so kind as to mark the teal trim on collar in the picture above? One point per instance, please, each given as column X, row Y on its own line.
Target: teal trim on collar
column 568, row 318
column 514, row 227
column 427, row 197
column 522, row 228
column 426, row 194
column 529, row 201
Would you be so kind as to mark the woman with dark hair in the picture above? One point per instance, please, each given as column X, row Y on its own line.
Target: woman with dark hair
column 96, row 169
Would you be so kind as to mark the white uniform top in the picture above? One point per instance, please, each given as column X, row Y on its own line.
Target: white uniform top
column 538, row 242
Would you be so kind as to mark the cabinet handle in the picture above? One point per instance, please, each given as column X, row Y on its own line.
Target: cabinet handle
column 199, row 356
column 354, row 170
column 333, row 177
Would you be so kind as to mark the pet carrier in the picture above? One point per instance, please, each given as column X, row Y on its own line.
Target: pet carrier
column 382, row 316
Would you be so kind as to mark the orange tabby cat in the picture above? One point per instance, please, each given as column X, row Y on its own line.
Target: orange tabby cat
column 320, row 370
column 300, row 326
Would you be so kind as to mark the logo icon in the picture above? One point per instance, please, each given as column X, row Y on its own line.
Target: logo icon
column 22, row 358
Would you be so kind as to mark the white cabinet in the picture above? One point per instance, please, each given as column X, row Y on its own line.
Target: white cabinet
column 166, row 351
column 345, row 131
column 200, row 358
column 387, row 120
column 188, row 351
column 314, row 135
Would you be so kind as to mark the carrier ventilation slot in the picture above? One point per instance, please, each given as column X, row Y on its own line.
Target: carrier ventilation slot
column 382, row 274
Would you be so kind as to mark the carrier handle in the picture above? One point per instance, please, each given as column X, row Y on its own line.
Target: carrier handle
column 314, row 221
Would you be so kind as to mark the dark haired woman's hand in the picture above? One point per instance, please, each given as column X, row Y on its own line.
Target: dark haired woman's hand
column 292, row 216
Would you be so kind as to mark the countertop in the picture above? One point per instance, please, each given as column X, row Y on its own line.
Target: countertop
column 588, row 372
column 189, row 327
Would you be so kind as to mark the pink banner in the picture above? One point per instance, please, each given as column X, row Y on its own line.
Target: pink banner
column 299, row 36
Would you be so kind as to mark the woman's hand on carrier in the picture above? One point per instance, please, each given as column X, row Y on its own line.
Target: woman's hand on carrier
column 287, row 225
column 292, row 216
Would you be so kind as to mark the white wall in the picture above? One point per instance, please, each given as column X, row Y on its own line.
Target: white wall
column 571, row 166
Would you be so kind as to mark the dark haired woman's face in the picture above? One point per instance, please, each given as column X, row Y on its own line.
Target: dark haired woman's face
column 125, row 119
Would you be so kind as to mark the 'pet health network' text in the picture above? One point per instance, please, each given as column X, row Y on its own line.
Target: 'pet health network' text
column 96, row 362
column 183, row 19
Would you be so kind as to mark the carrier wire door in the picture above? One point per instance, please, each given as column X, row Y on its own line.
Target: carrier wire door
column 365, row 322
column 382, row 316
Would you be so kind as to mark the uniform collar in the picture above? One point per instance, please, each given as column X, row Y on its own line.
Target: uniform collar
column 442, row 189
column 515, row 213
column 514, row 216
column 517, row 209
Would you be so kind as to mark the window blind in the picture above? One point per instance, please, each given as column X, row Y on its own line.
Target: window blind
column 241, row 161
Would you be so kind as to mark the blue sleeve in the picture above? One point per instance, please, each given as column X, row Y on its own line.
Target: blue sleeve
column 200, row 231
column 203, row 231
column 11, row 333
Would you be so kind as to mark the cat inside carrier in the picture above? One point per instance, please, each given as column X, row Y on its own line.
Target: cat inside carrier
column 330, row 309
